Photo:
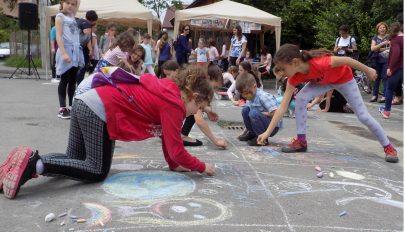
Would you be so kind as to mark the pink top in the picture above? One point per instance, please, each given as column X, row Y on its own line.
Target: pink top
column 213, row 53
column 114, row 56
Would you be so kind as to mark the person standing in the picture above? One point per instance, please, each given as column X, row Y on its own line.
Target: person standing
column 69, row 56
column 238, row 46
column 395, row 71
column 148, row 53
column 182, row 48
column 108, row 39
column 163, row 52
column 345, row 45
column 380, row 46
column 54, row 48
column 84, row 26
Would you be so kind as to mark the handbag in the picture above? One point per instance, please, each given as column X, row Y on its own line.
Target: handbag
column 384, row 54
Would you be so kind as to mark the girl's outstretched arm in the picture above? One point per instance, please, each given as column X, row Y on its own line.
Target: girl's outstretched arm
column 278, row 115
column 342, row 60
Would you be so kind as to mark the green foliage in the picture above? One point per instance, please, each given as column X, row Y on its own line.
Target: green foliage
column 15, row 61
column 178, row 4
column 7, row 25
column 157, row 5
column 314, row 23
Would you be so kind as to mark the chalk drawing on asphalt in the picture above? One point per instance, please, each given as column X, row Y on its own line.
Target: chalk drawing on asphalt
column 148, row 185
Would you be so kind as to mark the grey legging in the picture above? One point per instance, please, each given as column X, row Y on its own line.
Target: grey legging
column 351, row 92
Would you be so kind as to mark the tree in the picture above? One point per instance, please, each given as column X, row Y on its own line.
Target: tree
column 178, row 4
column 157, row 5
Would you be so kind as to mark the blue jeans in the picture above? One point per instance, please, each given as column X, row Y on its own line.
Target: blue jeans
column 256, row 122
column 393, row 82
column 382, row 76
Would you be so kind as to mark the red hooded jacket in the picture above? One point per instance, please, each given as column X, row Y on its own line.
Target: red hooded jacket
column 156, row 110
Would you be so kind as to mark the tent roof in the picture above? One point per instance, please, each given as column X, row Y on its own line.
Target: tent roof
column 126, row 12
column 227, row 9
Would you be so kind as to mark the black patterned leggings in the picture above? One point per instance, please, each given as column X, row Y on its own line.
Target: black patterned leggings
column 89, row 153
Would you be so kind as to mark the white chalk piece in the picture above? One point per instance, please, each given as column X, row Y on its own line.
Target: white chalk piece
column 71, row 229
column 343, row 213
column 49, row 217
column 81, row 220
column 73, row 217
column 62, row 214
column 62, row 223
column 319, row 174
column 331, row 175
column 317, row 168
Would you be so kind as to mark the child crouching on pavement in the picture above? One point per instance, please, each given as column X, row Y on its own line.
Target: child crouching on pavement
column 258, row 111
column 107, row 113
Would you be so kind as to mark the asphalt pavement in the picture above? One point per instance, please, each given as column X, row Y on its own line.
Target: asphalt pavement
column 255, row 189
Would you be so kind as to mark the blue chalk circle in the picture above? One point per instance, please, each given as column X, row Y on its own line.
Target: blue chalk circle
column 148, row 185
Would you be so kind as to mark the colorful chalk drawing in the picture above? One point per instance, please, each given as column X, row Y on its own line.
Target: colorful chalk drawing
column 173, row 212
column 100, row 215
column 148, row 185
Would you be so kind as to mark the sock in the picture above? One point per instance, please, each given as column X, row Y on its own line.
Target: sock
column 39, row 167
column 302, row 137
column 389, row 146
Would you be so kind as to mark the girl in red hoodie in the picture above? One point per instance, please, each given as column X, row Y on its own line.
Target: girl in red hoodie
column 323, row 72
column 131, row 112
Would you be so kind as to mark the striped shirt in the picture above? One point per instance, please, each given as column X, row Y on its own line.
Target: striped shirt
column 114, row 56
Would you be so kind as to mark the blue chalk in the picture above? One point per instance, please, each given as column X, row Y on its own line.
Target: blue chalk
column 343, row 213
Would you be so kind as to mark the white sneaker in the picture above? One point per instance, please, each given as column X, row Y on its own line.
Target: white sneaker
column 55, row 80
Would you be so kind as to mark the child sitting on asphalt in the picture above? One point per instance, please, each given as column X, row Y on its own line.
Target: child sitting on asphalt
column 258, row 111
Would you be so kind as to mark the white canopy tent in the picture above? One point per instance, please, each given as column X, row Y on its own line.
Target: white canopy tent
column 227, row 9
column 125, row 12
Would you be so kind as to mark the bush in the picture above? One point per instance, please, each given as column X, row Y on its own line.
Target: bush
column 15, row 61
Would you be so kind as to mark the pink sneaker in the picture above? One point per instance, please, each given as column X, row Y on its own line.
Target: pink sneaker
column 391, row 154
column 11, row 179
column 385, row 114
column 6, row 166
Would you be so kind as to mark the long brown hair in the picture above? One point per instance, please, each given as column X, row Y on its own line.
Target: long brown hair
column 125, row 41
column 194, row 79
column 248, row 67
column 238, row 32
column 287, row 52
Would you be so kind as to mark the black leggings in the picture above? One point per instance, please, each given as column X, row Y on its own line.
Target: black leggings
column 67, row 80
column 188, row 125
column 90, row 150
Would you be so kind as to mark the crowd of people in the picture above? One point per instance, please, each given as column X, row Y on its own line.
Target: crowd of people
column 123, row 99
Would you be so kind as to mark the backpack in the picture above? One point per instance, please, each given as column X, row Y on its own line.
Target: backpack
column 113, row 76
column 355, row 54
column 83, row 38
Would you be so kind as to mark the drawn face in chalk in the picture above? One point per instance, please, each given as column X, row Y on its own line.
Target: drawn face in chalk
column 367, row 191
column 187, row 210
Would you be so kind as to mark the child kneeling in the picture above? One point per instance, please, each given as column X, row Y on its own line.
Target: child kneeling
column 258, row 111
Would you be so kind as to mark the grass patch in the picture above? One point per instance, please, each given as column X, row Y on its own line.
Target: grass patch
column 22, row 61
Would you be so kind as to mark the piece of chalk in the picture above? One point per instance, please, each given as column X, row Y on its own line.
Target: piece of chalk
column 318, row 168
column 319, row 174
column 49, row 217
column 343, row 213
column 331, row 175
column 62, row 214
column 81, row 220
column 62, row 223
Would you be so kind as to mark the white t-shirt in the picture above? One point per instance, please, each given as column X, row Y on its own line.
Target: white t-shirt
column 344, row 42
column 213, row 53
column 227, row 77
